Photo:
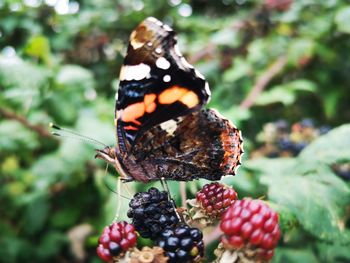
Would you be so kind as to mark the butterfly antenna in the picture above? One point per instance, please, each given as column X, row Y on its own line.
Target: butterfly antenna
column 66, row 133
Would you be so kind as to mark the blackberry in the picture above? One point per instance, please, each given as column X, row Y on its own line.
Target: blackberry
column 282, row 125
column 307, row 123
column 298, row 147
column 115, row 240
column 251, row 224
column 151, row 212
column 182, row 244
column 285, row 144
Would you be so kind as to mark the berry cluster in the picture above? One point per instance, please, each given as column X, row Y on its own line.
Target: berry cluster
column 215, row 198
column 115, row 240
column 151, row 212
column 182, row 244
column 210, row 203
column 250, row 228
column 282, row 140
column 251, row 224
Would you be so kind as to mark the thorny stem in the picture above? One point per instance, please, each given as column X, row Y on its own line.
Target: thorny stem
column 263, row 81
column 39, row 129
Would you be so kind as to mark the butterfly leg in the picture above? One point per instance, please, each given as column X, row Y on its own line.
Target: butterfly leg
column 166, row 189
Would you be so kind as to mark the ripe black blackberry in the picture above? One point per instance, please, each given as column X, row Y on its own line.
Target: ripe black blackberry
column 182, row 244
column 151, row 212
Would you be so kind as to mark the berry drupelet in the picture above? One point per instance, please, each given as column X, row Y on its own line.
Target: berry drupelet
column 115, row 240
column 182, row 244
column 151, row 212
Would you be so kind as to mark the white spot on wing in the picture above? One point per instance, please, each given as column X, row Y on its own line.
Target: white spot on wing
column 198, row 74
column 177, row 50
column 207, row 90
column 136, row 72
column 162, row 63
column 116, row 95
column 149, row 44
column 153, row 20
column 185, row 63
column 158, row 50
column 167, row 28
column 166, row 78
column 169, row 126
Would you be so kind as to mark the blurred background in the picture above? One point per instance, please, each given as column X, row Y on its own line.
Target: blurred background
column 279, row 69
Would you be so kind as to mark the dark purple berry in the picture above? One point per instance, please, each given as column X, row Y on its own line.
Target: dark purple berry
column 151, row 212
column 182, row 243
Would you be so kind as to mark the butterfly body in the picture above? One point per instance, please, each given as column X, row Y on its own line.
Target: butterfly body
column 162, row 129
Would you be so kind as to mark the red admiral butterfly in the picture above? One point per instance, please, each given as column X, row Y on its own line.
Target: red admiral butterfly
column 161, row 128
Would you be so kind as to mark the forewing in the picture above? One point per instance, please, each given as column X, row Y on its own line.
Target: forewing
column 156, row 82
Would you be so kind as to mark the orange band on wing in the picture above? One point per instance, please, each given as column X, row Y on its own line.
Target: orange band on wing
column 133, row 112
column 171, row 95
column 130, row 128
column 190, row 99
column 150, row 105
column 176, row 93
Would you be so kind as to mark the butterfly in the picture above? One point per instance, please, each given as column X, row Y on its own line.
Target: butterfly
column 162, row 127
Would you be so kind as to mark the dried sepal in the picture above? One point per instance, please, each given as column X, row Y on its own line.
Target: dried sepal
column 246, row 254
column 196, row 215
column 148, row 255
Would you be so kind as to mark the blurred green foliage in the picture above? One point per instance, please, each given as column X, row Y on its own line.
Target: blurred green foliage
column 59, row 62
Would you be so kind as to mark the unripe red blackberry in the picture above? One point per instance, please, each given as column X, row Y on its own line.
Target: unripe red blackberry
column 115, row 240
column 215, row 198
column 151, row 212
column 182, row 244
column 251, row 224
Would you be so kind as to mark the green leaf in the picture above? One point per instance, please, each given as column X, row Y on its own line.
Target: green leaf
column 311, row 198
column 342, row 20
column 75, row 77
column 301, row 85
column 227, row 37
column 335, row 253
column 14, row 136
column 240, row 69
column 65, row 217
column 51, row 244
column 267, row 166
column 330, row 102
column 333, row 147
column 36, row 215
column 12, row 72
column 38, row 46
column 289, row 255
column 300, row 48
column 285, row 93
column 278, row 94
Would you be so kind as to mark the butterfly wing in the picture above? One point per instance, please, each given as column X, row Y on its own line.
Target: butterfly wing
column 156, row 83
column 199, row 145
